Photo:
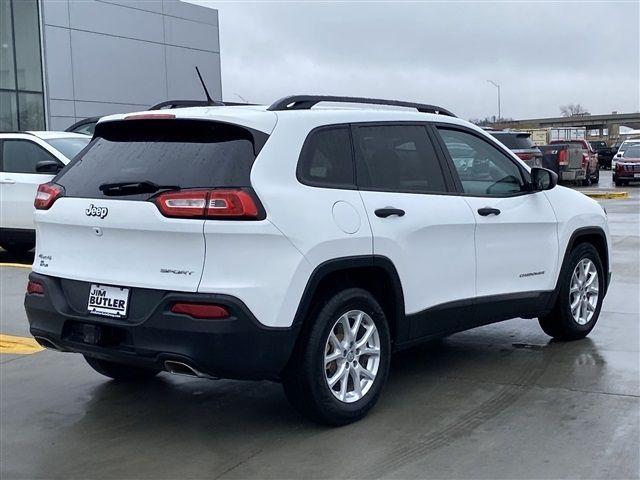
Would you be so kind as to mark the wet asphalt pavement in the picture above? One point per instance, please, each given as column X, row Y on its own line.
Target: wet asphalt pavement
column 501, row 401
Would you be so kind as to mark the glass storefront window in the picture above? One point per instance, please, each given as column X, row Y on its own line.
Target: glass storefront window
column 7, row 71
column 31, row 111
column 27, row 35
column 8, row 111
column 21, row 98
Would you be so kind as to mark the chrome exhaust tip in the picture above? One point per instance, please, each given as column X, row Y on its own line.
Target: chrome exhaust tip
column 48, row 344
column 180, row 368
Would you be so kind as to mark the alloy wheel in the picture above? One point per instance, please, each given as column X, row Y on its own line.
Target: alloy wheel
column 584, row 291
column 352, row 356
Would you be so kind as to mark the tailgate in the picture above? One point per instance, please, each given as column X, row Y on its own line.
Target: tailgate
column 132, row 245
column 134, row 203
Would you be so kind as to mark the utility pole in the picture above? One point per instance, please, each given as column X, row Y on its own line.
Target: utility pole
column 498, row 87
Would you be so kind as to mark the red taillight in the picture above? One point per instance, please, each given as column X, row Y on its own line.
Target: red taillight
column 223, row 204
column 526, row 156
column 151, row 116
column 563, row 157
column 47, row 194
column 35, row 288
column 585, row 158
column 201, row 310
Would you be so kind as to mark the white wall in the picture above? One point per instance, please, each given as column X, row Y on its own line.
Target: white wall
column 111, row 56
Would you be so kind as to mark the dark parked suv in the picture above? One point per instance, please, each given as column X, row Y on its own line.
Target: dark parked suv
column 521, row 144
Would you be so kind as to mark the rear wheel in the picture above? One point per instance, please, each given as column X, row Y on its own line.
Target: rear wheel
column 618, row 183
column 587, row 179
column 341, row 364
column 580, row 294
column 120, row 371
column 596, row 176
column 18, row 248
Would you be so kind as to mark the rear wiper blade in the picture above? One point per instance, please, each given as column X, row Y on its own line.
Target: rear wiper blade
column 132, row 188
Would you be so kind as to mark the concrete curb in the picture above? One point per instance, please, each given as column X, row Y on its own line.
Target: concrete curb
column 607, row 195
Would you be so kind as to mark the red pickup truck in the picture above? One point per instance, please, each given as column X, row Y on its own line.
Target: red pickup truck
column 590, row 164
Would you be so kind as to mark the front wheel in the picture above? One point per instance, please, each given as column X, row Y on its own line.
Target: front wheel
column 580, row 293
column 338, row 370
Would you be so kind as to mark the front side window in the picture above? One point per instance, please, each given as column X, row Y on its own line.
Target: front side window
column 22, row 156
column 397, row 158
column 482, row 168
column 326, row 159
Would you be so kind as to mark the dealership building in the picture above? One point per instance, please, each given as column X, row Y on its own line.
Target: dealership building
column 65, row 60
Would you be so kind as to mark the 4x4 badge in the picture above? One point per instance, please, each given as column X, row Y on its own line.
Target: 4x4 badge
column 93, row 211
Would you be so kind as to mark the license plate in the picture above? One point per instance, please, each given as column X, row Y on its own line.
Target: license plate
column 636, row 175
column 108, row 301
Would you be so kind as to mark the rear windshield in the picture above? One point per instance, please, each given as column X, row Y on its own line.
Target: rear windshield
column 177, row 153
column 514, row 141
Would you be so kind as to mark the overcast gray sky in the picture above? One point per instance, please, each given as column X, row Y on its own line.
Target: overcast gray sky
column 543, row 54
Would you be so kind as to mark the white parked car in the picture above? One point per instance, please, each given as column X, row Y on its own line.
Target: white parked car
column 303, row 245
column 28, row 159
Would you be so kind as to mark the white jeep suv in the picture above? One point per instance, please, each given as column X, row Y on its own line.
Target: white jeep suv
column 303, row 245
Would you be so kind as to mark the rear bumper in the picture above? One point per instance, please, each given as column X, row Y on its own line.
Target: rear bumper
column 237, row 347
column 570, row 175
column 626, row 176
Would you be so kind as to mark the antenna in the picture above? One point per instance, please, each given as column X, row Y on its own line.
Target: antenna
column 206, row 92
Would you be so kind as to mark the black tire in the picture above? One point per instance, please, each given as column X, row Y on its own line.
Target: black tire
column 120, row 371
column 18, row 248
column 596, row 176
column 587, row 179
column 618, row 183
column 559, row 323
column 304, row 379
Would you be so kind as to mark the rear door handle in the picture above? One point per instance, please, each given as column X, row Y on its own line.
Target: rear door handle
column 488, row 211
column 388, row 211
column 8, row 181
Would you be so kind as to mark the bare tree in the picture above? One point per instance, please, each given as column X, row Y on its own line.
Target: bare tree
column 573, row 110
column 488, row 121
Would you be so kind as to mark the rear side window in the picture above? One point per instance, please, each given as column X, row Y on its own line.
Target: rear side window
column 178, row 153
column 326, row 159
column 397, row 158
column 22, row 156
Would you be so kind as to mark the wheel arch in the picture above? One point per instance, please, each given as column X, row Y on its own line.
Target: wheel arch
column 594, row 236
column 374, row 273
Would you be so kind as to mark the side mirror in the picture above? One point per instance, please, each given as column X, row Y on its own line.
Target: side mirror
column 48, row 166
column 543, row 179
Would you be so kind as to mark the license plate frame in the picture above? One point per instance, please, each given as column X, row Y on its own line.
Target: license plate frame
column 108, row 301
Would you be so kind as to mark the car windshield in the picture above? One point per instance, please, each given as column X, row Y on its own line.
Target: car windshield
column 69, row 146
column 633, row 151
column 626, row 145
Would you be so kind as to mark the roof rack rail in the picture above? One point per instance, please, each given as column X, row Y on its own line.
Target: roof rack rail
column 194, row 103
column 185, row 103
column 305, row 102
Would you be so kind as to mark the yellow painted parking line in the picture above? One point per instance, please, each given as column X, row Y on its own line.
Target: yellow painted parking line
column 17, row 265
column 18, row 345
column 607, row 195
